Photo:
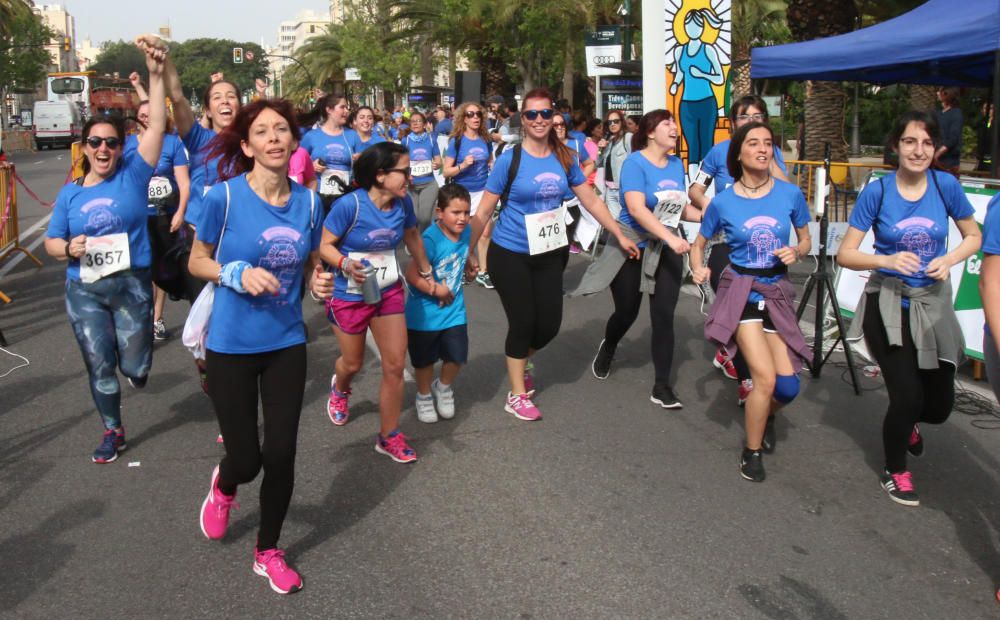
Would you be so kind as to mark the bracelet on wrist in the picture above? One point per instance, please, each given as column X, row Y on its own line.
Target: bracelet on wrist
column 68, row 255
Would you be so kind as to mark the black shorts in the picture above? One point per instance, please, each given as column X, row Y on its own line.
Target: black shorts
column 449, row 345
column 756, row 312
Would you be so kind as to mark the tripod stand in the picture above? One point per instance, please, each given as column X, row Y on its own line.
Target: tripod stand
column 822, row 281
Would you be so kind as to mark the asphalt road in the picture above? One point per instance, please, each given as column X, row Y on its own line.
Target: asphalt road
column 609, row 507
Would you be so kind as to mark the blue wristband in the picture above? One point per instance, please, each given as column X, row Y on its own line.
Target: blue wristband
column 232, row 275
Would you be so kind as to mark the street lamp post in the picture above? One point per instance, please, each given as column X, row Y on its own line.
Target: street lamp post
column 312, row 83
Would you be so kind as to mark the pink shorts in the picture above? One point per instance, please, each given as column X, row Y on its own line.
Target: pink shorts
column 353, row 317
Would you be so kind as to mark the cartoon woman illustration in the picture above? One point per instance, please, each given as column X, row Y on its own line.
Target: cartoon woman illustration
column 697, row 65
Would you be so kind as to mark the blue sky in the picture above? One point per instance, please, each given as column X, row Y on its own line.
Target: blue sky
column 240, row 20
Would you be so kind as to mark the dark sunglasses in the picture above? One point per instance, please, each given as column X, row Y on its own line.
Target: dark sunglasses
column 559, row 125
column 531, row 115
column 405, row 171
column 614, row 121
column 95, row 143
column 475, row 114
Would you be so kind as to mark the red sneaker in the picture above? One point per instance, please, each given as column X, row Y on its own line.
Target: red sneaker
column 723, row 363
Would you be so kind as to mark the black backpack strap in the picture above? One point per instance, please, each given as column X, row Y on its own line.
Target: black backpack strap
column 938, row 187
column 458, row 147
column 515, row 163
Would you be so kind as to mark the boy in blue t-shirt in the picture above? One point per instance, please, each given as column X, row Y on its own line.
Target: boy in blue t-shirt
column 435, row 308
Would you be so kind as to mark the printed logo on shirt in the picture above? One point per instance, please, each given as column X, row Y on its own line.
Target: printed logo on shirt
column 280, row 247
column 420, row 154
column 101, row 220
column 449, row 270
column 382, row 239
column 666, row 184
column 479, row 153
column 915, row 237
column 336, row 153
column 761, row 241
column 548, row 195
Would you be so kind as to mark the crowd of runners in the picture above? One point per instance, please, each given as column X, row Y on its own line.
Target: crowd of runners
column 244, row 210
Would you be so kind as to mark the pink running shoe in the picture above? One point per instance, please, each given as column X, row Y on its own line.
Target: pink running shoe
column 336, row 406
column 270, row 563
column 219, row 439
column 916, row 445
column 395, row 447
column 529, row 380
column 522, row 407
column 215, row 510
column 743, row 391
column 723, row 363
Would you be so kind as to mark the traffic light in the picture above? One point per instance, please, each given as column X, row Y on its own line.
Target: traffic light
column 66, row 44
column 237, row 55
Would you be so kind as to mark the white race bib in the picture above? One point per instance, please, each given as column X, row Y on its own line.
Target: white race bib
column 160, row 189
column 546, row 231
column 386, row 271
column 669, row 207
column 105, row 255
column 328, row 185
column 421, row 168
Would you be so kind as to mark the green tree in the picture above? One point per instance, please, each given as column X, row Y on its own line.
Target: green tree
column 23, row 58
column 198, row 59
column 755, row 23
column 121, row 57
column 10, row 10
column 323, row 57
column 371, row 27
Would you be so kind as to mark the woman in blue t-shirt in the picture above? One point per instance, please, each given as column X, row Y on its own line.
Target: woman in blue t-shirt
column 467, row 161
column 330, row 148
column 653, row 185
column 99, row 225
column 755, row 304
column 363, row 229
column 258, row 237
column 529, row 249
column 425, row 158
column 909, row 322
column 362, row 134
column 714, row 171
column 989, row 289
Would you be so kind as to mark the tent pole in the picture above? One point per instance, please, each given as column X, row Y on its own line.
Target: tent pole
column 995, row 131
column 856, row 124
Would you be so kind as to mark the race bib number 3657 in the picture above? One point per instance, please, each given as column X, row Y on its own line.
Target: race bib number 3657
column 105, row 255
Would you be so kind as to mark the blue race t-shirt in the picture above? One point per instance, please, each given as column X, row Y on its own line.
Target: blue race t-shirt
column 991, row 233
column 374, row 230
column 443, row 128
column 581, row 156
column 447, row 259
column 204, row 171
column 641, row 175
column 359, row 146
column 335, row 151
column 278, row 239
column 715, row 170
column 755, row 228
column 472, row 178
column 919, row 226
column 539, row 186
column 115, row 205
column 423, row 147
column 172, row 155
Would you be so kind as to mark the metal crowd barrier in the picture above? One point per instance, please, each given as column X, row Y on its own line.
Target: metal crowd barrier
column 843, row 189
column 9, row 231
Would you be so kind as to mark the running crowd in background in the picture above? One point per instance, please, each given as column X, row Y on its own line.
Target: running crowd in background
column 244, row 209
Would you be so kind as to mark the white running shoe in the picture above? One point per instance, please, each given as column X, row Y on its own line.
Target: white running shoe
column 425, row 409
column 445, row 398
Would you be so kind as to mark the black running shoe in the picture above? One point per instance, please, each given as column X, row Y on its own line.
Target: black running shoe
column 752, row 465
column 601, row 366
column 900, row 488
column 770, row 439
column 916, row 445
column 664, row 396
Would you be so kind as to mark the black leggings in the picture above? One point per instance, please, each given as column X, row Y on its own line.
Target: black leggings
column 915, row 395
column 628, row 299
column 530, row 289
column 718, row 260
column 233, row 386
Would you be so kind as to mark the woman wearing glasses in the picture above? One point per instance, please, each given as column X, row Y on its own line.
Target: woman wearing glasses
column 467, row 162
column 714, row 171
column 529, row 249
column 99, row 225
column 363, row 229
column 615, row 147
column 425, row 158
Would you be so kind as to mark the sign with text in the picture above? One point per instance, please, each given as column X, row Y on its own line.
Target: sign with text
column 603, row 46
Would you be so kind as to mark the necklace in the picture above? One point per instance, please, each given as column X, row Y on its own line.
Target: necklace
column 753, row 189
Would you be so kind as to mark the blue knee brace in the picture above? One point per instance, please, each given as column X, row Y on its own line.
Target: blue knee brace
column 786, row 388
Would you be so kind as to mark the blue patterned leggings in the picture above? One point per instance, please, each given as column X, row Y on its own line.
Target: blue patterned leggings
column 113, row 323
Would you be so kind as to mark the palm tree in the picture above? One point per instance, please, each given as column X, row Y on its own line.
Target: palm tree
column 755, row 23
column 9, row 11
column 322, row 56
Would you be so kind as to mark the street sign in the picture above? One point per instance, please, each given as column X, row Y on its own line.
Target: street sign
column 352, row 75
column 603, row 46
column 237, row 55
column 248, row 55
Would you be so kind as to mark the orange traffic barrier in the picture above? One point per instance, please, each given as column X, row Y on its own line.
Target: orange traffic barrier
column 10, row 234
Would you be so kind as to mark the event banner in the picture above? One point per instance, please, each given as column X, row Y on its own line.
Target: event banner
column 964, row 276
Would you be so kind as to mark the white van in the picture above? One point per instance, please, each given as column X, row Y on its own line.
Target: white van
column 56, row 123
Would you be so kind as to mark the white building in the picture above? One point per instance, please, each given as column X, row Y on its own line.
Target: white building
column 58, row 19
column 337, row 11
column 86, row 54
column 292, row 34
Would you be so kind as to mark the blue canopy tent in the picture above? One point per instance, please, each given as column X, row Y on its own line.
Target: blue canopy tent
column 941, row 42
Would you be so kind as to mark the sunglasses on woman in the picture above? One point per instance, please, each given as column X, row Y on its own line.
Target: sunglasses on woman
column 614, row 121
column 471, row 114
column 531, row 115
column 94, row 142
